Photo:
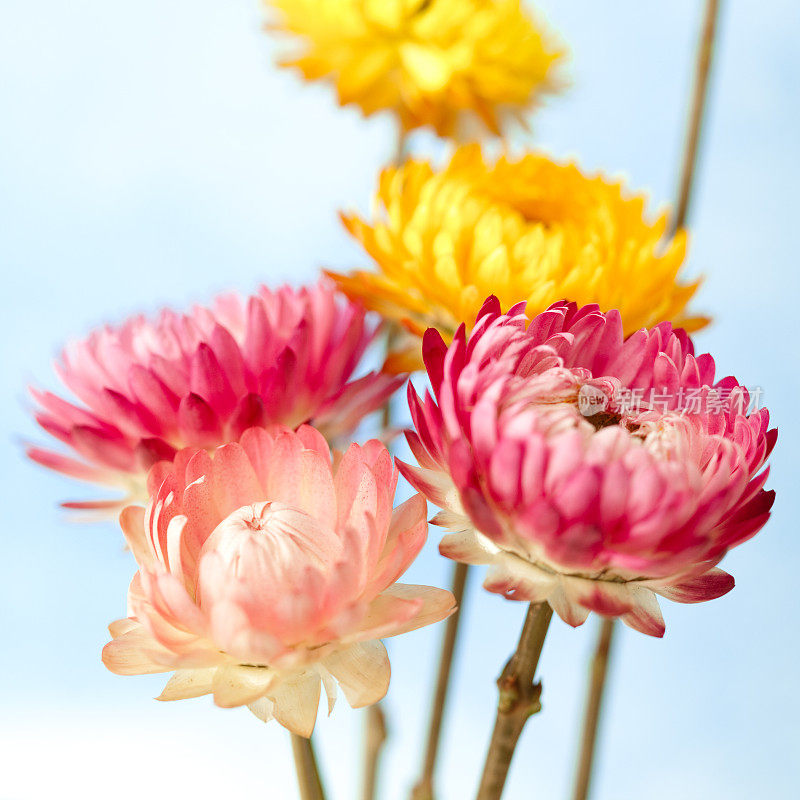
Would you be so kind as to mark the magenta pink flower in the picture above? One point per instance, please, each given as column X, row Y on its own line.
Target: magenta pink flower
column 588, row 471
column 149, row 388
column 264, row 571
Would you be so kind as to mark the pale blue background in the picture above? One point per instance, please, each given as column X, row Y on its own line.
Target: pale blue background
column 150, row 154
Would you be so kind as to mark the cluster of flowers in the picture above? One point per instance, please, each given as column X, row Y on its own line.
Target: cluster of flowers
column 268, row 562
column 578, row 448
column 269, row 558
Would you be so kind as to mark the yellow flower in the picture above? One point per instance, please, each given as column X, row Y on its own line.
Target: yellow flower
column 529, row 229
column 440, row 63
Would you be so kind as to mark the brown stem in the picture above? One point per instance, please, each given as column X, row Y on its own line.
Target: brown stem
column 374, row 738
column 705, row 53
column 392, row 335
column 423, row 790
column 599, row 666
column 519, row 699
column 375, row 719
column 305, row 763
column 594, row 703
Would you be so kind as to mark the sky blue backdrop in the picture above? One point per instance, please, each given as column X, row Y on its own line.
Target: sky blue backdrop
column 150, row 154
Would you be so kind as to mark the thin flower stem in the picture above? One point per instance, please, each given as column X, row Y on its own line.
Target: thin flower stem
column 594, row 703
column 599, row 669
column 705, row 52
column 392, row 336
column 375, row 720
column 519, row 699
column 423, row 790
column 374, row 739
column 305, row 762
column 375, row 728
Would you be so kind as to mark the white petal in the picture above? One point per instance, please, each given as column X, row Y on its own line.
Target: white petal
column 137, row 653
column 436, row 485
column 236, row 685
column 121, row 626
column 363, row 672
column 262, row 708
column 517, row 579
column 646, row 614
column 329, row 683
column 174, row 545
column 189, row 683
column 564, row 603
column 131, row 520
column 452, row 520
column 468, row 548
column 296, row 702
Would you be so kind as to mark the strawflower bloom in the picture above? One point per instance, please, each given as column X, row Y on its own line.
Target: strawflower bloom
column 522, row 229
column 588, row 470
column 148, row 388
column 266, row 571
column 456, row 66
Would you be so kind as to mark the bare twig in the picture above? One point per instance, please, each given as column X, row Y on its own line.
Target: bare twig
column 705, row 53
column 594, row 702
column 519, row 699
column 423, row 790
column 375, row 725
column 375, row 736
column 305, row 762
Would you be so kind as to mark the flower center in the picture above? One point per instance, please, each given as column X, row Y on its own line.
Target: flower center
column 289, row 535
column 605, row 419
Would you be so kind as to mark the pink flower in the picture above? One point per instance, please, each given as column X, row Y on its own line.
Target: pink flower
column 149, row 388
column 265, row 571
column 588, row 471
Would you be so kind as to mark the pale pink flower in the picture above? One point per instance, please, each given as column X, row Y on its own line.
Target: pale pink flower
column 265, row 571
column 588, row 471
column 150, row 387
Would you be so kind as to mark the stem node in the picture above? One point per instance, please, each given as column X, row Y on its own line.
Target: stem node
column 519, row 698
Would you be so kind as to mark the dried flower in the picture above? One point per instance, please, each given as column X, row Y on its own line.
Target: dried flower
column 150, row 387
column 456, row 66
column 264, row 571
column 527, row 229
column 573, row 494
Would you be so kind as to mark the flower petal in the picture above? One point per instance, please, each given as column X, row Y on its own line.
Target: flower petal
column 363, row 672
column 709, row 586
column 262, row 708
column 296, row 702
column 136, row 653
column 187, row 683
column 405, row 607
column 645, row 615
column 237, row 685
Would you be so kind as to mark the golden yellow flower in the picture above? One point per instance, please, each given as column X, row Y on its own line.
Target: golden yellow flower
column 529, row 229
column 438, row 63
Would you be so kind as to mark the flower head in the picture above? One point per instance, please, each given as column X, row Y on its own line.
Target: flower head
column 264, row 570
column 151, row 387
column 528, row 229
column 451, row 65
column 590, row 471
